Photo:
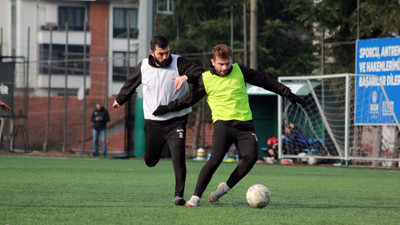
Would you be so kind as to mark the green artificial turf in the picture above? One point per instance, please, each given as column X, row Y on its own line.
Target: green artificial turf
column 74, row 190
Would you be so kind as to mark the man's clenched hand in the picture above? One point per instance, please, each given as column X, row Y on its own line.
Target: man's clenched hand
column 294, row 99
column 116, row 105
column 179, row 81
column 161, row 110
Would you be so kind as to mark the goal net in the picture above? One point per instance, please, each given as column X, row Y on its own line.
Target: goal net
column 330, row 128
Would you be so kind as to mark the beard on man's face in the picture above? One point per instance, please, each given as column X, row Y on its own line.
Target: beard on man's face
column 163, row 63
column 222, row 72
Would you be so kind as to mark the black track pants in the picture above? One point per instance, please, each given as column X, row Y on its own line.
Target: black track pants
column 227, row 133
column 173, row 132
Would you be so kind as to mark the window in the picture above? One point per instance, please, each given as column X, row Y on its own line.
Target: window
column 75, row 16
column 75, row 57
column 120, row 65
column 120, row 22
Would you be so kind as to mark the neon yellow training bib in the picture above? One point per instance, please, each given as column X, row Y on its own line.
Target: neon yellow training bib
column 227, row 96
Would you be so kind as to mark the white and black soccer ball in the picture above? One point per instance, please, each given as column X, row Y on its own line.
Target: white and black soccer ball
column 312, row 161
column 303, row 157
column 258, row 196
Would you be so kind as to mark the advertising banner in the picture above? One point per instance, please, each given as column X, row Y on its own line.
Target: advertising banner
column 379, row 60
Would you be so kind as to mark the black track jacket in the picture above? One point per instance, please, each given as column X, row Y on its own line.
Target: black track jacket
column 185, row 67
column 251, row 76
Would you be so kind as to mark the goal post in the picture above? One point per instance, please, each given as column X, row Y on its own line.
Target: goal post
column 328, row 128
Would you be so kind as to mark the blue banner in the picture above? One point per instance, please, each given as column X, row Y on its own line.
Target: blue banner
column 379, row 59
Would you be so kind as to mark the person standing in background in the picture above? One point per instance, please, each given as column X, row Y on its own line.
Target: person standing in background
column 100, row 118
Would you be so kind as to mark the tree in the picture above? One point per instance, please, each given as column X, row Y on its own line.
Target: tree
column 338, row 19
column 195, row 28
column 379, row 18
column 285, row 43
column 289, row 31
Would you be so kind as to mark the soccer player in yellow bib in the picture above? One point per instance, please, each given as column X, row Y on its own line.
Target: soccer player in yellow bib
column 225, row 89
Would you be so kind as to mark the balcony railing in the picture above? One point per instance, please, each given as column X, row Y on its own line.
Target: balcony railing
column 62, row 27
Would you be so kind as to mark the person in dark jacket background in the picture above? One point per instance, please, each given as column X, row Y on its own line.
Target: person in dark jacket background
column 100, row 118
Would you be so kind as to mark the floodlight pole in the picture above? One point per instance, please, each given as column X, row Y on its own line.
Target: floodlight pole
column 84, row 88
column 107, row 77
column 323, row 51
column 146, row 19
column 358, row 19
column 1, row 43
column 253, row 34
column 48, row 91
column 244, row 34
column 66, row 88
column 27, row 78
column 128, row 108
column 232, row 31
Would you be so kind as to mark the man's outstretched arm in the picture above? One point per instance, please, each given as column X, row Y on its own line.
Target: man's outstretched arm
column 129, row 87
column 186, row 101
column 190, row 69
column 263, row 80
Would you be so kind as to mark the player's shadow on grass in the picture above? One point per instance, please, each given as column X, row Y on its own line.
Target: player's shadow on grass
column 328, row 206
column 225, row 204
column 277, row 205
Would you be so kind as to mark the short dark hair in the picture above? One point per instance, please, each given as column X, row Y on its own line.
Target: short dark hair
column 160, row 41
column 222, row 51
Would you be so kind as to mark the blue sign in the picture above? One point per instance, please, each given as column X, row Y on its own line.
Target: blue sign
column 378, row 91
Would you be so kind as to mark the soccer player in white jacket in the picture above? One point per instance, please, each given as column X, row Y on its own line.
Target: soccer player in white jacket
column 157, row 75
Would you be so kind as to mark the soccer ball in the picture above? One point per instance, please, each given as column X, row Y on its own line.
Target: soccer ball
column 303, row 157
column 258, row 196
column 312, row 161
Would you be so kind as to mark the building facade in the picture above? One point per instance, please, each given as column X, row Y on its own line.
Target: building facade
column 85, row 39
